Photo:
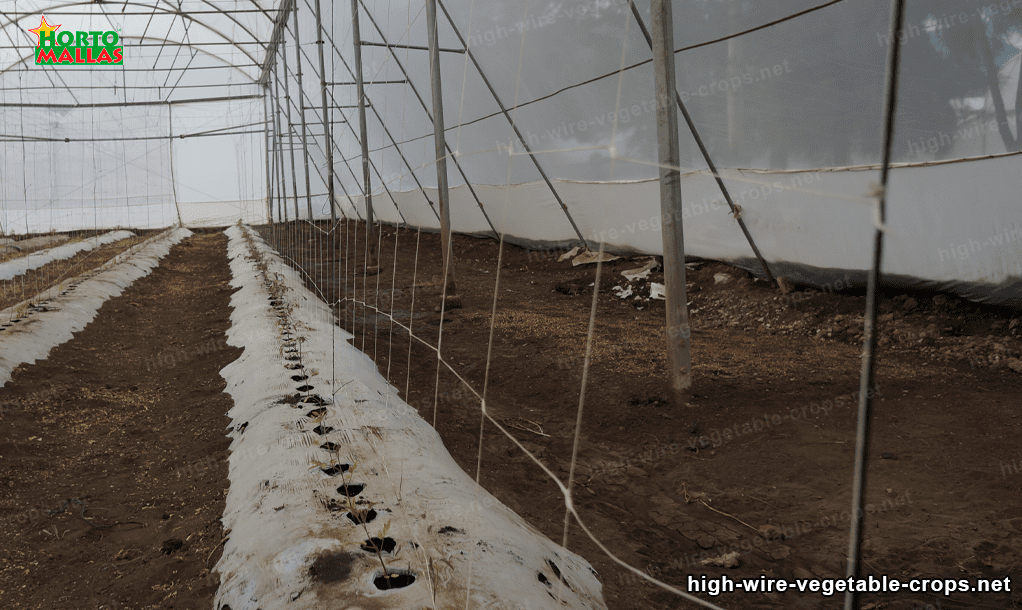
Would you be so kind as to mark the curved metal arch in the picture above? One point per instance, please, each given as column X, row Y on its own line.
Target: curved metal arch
column 227, row 64
column 166, row 11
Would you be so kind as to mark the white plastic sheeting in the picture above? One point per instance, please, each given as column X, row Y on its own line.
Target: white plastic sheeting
column 953, row 226
column 34, row 260
column 286, row 548
column 53, row 320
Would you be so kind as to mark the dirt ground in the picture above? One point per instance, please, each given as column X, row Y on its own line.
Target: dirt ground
column 27, row 285
column 113, row 449
column 760, row 463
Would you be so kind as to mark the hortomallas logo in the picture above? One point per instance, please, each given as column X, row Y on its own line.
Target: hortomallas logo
column 71, row 48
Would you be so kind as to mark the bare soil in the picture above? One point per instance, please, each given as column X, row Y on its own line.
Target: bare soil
column 27, row 285
column 114, row 454
column 113, row 449
column 759, row 462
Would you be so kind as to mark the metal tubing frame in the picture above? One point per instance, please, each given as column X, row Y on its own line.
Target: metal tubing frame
column 864, row 415
column 326, row 116
column 173, row 179
column 290, row 125
column 440, row 147
column 706, row 155
column 301, row 110
column 372, row 255
column 280, row 147
column 507, row 115
column 429, row 115
column 679, row 345
column 383, row 124
column 266, row 138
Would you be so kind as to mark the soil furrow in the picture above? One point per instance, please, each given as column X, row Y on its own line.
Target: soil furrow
column 113, row 449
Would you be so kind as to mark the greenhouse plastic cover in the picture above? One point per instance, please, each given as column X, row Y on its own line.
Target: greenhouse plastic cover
column 791, row 114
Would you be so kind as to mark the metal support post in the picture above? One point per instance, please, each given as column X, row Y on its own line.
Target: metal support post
column 356, row 35
column 326, row 116
column 280, row 138
column 706, row 156
column 864, row 416
column 287, row 116
column 440, row 145
column 429, row 115
column 301, row 110
column 679, row 345
column 266, row 138
column 518, row 133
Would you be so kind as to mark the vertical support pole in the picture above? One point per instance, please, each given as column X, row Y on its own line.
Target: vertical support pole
column 173, row 178
column 866, row 389
column 356, row 36
column 290, row 124
column 328, row 143
column 441, row 149
column 706, row 156
column 679, row 346
column 280, row 140
column 266, row 133
column 301, row 112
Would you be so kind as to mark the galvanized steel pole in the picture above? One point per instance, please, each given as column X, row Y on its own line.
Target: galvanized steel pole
column 372, row 264
column 735, row 210
column 440, row 146
column 301, row 111
column 266, row 134
column 290, row 125
column 326, row 116
column 679, row 345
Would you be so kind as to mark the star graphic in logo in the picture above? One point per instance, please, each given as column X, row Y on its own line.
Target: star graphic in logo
column 44, row 27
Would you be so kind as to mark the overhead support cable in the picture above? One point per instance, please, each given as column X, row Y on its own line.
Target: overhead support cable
column 197, row 100
column 429, row 115
column 864, row 415
column 407, row 46
column 735, row 210
column 510, row 120
column 373, row 82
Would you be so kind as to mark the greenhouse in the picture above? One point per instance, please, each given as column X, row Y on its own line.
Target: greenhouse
column 620, row 304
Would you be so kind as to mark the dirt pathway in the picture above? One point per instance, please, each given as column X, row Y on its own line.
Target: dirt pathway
column 113, row 450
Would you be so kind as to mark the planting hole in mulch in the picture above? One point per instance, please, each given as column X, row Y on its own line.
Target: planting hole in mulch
column 336, row 469
column 315, row 399
column 360, row 517
column 351, row 489
column 374, row 544
column 315, row 413
column 332, row 567
column 305, row 388
column 394, row 579
column 292, row 367
column 331, row 447
column 299, row 377
column 322, row 430
column 292, row 358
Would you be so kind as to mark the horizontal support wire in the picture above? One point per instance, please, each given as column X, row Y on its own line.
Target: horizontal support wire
column 407, row 46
